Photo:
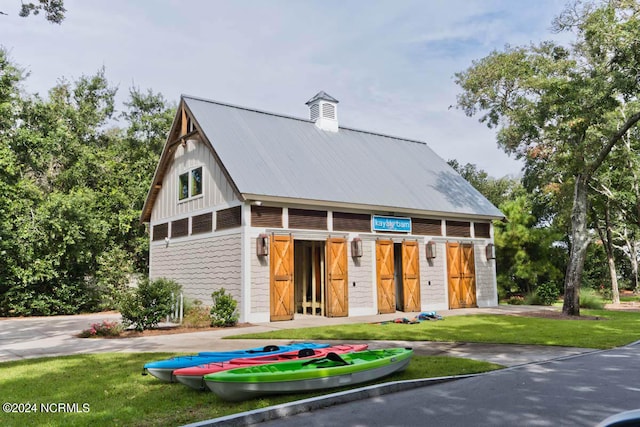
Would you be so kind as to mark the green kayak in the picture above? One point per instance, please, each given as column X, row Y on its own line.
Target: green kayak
column 330, row 371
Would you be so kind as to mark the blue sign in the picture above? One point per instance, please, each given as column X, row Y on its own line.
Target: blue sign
column 391, row 223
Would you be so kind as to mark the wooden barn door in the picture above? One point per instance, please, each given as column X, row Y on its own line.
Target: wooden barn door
column 281, row 271
column 461, row 275
column 384, row 274
column 337, row 280
column 410, row 276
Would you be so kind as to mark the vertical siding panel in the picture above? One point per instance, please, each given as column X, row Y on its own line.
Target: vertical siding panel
column 433, row 287
column 216, row 188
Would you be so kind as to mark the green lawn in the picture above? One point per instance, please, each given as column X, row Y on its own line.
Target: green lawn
column 115, row 393
column 615, row 328
column 112, row 391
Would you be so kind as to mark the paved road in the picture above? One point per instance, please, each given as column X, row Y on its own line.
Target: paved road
column 576, row 391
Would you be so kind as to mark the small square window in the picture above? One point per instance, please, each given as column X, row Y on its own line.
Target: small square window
column 183, row 186
column 196, row 182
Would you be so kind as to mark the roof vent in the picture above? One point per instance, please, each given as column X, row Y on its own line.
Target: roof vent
column 323, row 109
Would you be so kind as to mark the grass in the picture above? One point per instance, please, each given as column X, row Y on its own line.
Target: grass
column 117, row 395
column 111, row 391
column 615, row 328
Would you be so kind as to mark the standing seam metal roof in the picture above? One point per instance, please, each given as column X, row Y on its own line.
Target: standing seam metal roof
column 275, row 155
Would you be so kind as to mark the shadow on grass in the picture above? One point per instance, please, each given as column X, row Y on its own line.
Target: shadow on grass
column 114, row 391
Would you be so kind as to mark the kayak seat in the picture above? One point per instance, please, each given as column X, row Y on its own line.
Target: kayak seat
column 306, row 352
column 330, row 357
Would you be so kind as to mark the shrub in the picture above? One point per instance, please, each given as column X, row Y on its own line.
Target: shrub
column 591, row 300
column 515, row 300
column 103, row 329
column 547, row 293
column 224, row 310
column 148, row 304
column 196, row 315
column 531, row 299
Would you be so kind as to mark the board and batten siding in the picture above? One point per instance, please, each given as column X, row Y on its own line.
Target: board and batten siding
column 486, row 287
column 260, row 282
column 433, row 279
column 361, row 296
column 216, row 189
column 200, row 265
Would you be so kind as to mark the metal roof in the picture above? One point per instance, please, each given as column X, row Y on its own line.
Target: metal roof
column 277, row 156
column 322, row 95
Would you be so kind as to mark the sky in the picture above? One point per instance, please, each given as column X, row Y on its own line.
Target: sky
column 390, row 64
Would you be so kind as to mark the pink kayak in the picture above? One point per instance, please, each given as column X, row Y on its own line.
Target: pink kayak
column 193, row 376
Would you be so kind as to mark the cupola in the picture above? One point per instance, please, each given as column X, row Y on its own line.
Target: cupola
column 323, row 110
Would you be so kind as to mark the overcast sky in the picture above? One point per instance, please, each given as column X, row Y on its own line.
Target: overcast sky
column 390, row 63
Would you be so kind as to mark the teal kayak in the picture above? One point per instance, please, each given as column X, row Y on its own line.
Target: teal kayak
column 330, row 371
column 163, row 369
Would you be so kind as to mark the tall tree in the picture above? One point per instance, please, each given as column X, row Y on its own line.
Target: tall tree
column 554, row 105
column 71, row 191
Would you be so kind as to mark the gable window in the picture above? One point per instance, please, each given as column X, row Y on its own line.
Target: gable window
column 190, row 184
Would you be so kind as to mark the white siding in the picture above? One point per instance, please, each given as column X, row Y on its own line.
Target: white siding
column 259, row 282
column 433, row 278
column 200, row 265
column 486, row 287
column 216, row 189
column 361, row 296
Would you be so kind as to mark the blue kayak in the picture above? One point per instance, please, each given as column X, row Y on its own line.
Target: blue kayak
column 163, row 369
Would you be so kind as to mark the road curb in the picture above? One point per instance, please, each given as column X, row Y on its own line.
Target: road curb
column 297, row 407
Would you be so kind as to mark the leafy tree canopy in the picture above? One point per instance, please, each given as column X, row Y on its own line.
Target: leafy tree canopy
column 53, row 10
column 563, row 108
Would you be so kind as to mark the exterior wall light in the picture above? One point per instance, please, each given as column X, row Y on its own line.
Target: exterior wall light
column 490, row 251
column 262, row 245
column 430, row 249
column 356, row 247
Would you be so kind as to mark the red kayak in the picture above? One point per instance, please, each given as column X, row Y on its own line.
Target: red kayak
column 193, row 377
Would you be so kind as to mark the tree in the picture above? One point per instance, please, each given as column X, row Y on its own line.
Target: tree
column 526, row 252
column 71, row 190
column 496, row 190
column 53, row 10
column 554, row 105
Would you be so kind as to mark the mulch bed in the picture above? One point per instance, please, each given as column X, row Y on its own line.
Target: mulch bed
column 558, row 315
column 165, row 330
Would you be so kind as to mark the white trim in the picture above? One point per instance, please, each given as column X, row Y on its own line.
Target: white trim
column 245, row 263
column 374, row 276
column 445, row 274
column 365, row 208
column 189, row 171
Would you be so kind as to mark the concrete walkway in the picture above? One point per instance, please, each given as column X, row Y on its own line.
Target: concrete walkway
column 22, row 338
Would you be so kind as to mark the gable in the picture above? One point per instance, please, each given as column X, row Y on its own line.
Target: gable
column 187, row 150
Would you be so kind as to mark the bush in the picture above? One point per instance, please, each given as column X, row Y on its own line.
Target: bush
column 196, row 315
column 148, row 304
column 515, row 300
column 591, row 300
column 531, row 299
column 547, row 293
column 104, row 329
column 224, row 310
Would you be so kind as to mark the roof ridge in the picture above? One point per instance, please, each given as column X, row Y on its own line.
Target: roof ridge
column 285, row 116
column 255, row 110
